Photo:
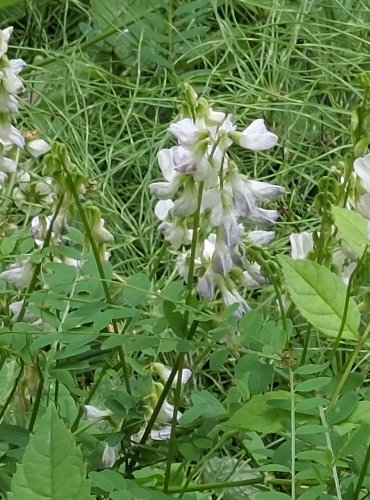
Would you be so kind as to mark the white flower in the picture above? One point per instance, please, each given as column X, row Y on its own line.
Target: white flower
column 302, row 244
column 261, row 237
column 166, row 412
column 348, row 271
column 8, row 103
column 262, row 217
column 9, row 135
column 163, row 208
column 110, row 455
column 15, row 309
column 186, row 204
column 231, row 297
column 175, row 234
column 93, row 413
column 4, row 39
column 20, row 274
column 164, row 372
column 243, row 197
column 222, row 259
column 206, row 284
column 3, row 178
column 186, row 132
column 100, row 233
column 7, row 165
column 136, row 438
column 37, row 147
column 265, row 190
column 214, row 117
column 161, row 434
column 165, row 190
column 256, row 137
column 8, row 75
column 362, row 169
column 209, row 246
column 252, row 277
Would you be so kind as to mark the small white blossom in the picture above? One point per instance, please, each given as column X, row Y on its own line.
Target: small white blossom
column 302, row 244
column 362, row 168
column 265, row 191
column 4, row 40
column 166, row 412
column 263, row 217
column 8, row 103
column 206, row 284
column 93, row 413
column 8, row 76
column 231, row 297
column 19, row 274
column 100, row 233
column 9, row 135
column 256, row 137
column 261, row 237
column 110, row 455
column 175, row 234
column 161, row 434
column 7, row 165
column 185, row 131
column 164, row 372
column 163, row 208
column 37, row 147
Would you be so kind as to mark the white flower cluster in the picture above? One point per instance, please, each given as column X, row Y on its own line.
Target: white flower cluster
column 361, row 167
column 200, row 178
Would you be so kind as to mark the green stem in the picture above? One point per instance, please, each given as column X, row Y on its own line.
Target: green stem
column 306, row 345
column 362, row 474
column 177, row 396
column 37, row 402
column 293, row 432
column 349, row 365
column 101, row 272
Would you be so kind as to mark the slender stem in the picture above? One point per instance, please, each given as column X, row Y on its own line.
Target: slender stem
column 37, row 402
column 306, row 345
column 177, row 396
column 349, row 365
column 330, row 447
column 292, row 431
column 101, row 272
column 362, row 474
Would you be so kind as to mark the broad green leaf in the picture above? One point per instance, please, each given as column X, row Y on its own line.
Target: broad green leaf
column 320, row 297
column 313, row 384
column 352, row 227
column 257, row 415
column 343, row 408
column 8, row 3
column 309, row 369
column 52, row 465
column 205, row 405
column 136, row 289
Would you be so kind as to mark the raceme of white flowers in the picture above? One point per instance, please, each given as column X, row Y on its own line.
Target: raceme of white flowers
column 37, row 198
column 200, row 176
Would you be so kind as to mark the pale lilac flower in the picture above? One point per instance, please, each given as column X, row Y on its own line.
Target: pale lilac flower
column 8, row 76
column 7, row 165
column 161, row 434
column 265, row 191
column 363, row 206
column 243, row 197
column 167, row 189
column 301, row 244
column 261, row 238
column 206, row 284
column 222, row 259
column 263, row 217
column 137, row 437
column 110, row 455
column 231, row 297
column 186, row 204
column 256, row 137
column 175, row 234
column 19, row 274
column 8, row 103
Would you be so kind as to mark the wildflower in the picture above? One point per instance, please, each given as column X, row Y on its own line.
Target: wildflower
column 261, row 237
column 10, row 136
column 166, row 412
column 100, row 233
column 8, row 76
column 37, row 147
column 93, row 413
column 161, row 434
column 231, row 297
column 164, row 372
column 19, row 274
column 110, row 455
column 302, row 244
column 7, row 165
column 4, row 39
column 256, row 137
column 362, row 168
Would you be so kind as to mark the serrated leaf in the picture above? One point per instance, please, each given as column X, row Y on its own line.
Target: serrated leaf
column 320, row 297
column 52, row 465
column 352, row 227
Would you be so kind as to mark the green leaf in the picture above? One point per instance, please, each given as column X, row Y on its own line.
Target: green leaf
column 7, row 3
column 136, row 289
column 257, row 415
column 343, row 408
column 52, row 465
column 320, row 297
column 313, row 384
column 175, row 319
column 352, row 227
